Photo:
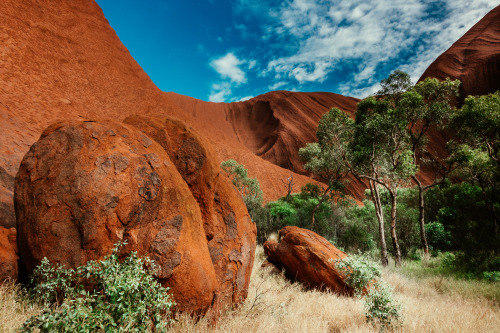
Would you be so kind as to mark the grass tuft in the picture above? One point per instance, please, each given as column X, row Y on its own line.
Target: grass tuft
column 430, row 303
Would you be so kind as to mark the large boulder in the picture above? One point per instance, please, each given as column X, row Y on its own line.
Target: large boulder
column 308, row 258
column 230, row 233
column 84, row 186
column 8, row 255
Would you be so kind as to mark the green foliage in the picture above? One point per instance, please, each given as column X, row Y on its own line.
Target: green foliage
column 477, row 155
column 297, row 209
column 381, row 146
column 107, row 295
column 359, row 272
column 363, row 275
column 380, row 307
column 397, row 83
column 248, row 187
column 448, row 260
column 437, row 237
column 356, row 229
column 492, row 276
column 478, row 123
column 467, row 224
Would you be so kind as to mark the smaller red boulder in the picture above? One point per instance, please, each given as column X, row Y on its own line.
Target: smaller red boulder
column 8, row 255
column 308, row 258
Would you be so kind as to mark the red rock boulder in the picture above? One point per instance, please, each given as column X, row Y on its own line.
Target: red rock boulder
column 230, row 233
column 308, row 258
column 8, row 255
column 84, row 186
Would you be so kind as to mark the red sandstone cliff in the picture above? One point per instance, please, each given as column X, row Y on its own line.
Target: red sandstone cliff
column 62, row 61
column 474, row 59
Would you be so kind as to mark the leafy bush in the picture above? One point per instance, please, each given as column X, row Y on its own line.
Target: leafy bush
column 492, row 276
column 252, row 195
column 359, row 271
column 297, row 210
column 380, row 307
column 448, row 260
column 437, row 237
column 107, row 295
column 248, row 187
column 362, row 274
column 462, row 211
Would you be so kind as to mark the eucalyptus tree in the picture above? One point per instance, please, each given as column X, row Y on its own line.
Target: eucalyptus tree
column 372, row 148
column 426, row 106
column 386, row 144
column 477, row 155
column 381, row 153
column 327, row 157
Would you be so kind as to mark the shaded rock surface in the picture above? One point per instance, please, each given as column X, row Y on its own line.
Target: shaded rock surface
column 7, row 214
column 474, row 59
column 230, row 233
column 8, row 255
column 84, row 186
column 308, row 258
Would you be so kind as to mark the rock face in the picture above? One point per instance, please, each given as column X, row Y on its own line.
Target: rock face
column 474, row 59
column 8, row 255
column 86, row 185
column 266, row 132
column 7, row 214
column 230, row 233
column 62, row 61
column 307, row 257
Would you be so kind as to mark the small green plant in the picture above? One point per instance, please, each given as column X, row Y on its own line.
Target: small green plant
column 492, row 276
column 448, row 260
column 363, row 275
column 107, row 295
column 359, row 272
column 380, row 307
column 248, row 187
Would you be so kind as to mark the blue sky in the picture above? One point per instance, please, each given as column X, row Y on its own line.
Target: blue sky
column 231, row 50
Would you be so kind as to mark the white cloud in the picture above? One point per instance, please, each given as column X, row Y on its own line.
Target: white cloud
column 220, row 92
column 325, row 38
column 228, row 67
column 231, row 75
column 252, row 63
column 246, row 98
column 277, row 85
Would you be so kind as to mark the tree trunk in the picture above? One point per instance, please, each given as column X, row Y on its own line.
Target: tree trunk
column 395, row 243
column 421, row 217
column 380, row 218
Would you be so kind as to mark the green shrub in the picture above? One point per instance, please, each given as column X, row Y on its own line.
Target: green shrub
column 362, row 274
column 107, row 295
column 359, row 271
column 380, row 307
column 492, row 276
column 252, row 195
column 437, row 237
column 448, row 260
column 248, row 187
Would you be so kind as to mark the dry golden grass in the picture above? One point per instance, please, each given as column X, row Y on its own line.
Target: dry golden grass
column 14, row 309
column 275, row 305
